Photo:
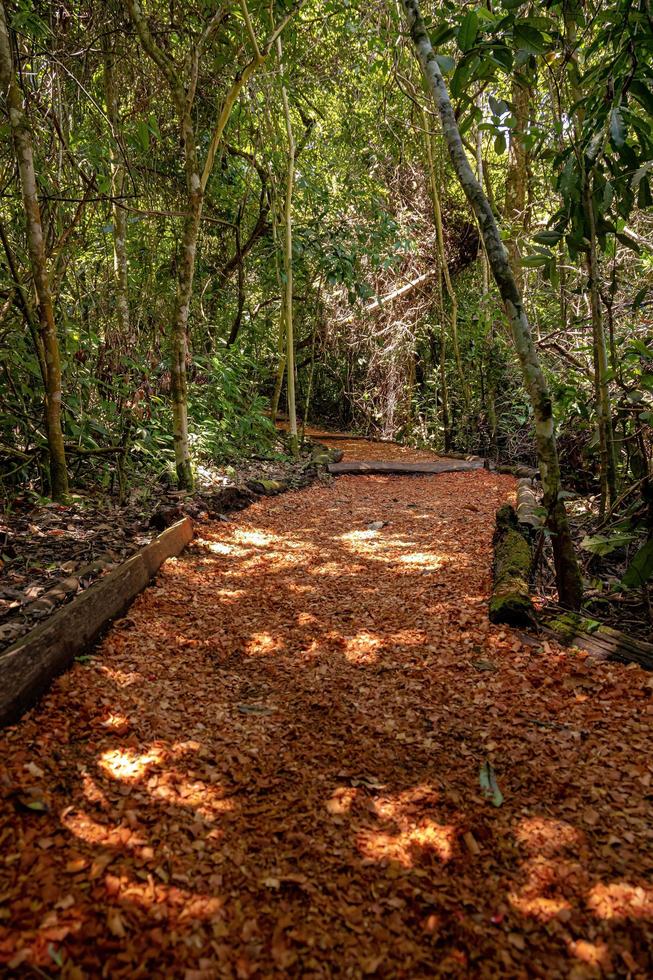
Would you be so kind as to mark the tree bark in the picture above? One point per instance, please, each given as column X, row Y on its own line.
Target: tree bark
column 118, row 213
column 444, row 265
column 288, row 269
column 517, row 176
column 22, row 141
column 183, row 94
column 568, row 577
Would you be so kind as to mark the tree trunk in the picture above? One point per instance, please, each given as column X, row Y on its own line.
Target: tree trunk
column 444, row 266
column 567, row 572
column 608, row 466
column 602, row 393
column 118, row 213
column 22, row 141
column 179, row 333
column 288, row 271
column 517, row 176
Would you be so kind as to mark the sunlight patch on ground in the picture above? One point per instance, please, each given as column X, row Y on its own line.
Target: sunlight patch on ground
column 128, row 765
column 93, row 832
column 407, row 845
column 621, row 900
column 538, row 907
column 162, row 900
column 263, row 643
column 121, row 678
column 422, row 559
column 594, row 954
column 542, row 835
column 362, row 648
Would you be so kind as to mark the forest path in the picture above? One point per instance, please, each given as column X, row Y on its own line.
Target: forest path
column 270, row 768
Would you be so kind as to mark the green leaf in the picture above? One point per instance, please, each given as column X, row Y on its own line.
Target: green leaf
column 643, row 94
column 144, row 135
column 468, row 31
column 547, row 237
column 617, row 128
column 640, row 569
column 500, row 144
column 441, row 34
column 530, row 39
column 489, row 786
column 498, row 106
column 601, row 544
column 445, row 63
column 534, row 261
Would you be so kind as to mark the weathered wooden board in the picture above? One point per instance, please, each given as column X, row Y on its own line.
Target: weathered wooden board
column 377, row 466
column 596, row 638
column 528, row 506
column 28, row 667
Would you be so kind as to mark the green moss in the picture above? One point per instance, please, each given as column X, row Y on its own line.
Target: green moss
column 569, row 624
column 513, row 556
column 511, row 602
column 269, row 487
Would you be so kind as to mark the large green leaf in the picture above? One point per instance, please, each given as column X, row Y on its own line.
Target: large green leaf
column 617, row 128
column 640, row 569
column 468, row 31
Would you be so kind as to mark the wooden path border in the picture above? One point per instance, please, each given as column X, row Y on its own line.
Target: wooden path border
column 28, row 666
column 402, row 469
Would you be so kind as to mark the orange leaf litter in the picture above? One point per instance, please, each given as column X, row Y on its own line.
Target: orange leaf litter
column 270, row 768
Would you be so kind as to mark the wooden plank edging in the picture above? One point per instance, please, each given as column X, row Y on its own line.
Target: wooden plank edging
column 384, row 466
column 28, row 666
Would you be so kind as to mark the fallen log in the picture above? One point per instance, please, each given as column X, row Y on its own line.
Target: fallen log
column 510, row 601
column 528, row 507
column 517, row 470
column 401, row 469
column 28, row 667
column 599, row 640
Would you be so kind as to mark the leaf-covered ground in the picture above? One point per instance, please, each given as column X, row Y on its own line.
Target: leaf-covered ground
column 271, row 767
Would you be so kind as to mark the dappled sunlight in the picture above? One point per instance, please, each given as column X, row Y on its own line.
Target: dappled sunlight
column 410, row 845
column 621, row 900
column 94, row 832
column 262, row 644
column 544, row 835
column 127, row 764
column 274, row 761
column 422, row 559
column 170, row 902
column 594, row 954
column 363, row 648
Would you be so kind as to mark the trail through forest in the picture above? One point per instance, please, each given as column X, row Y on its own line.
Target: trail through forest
column 272, row 766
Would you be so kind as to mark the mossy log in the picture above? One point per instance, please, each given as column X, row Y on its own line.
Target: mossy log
column 510, row 601
column 268, row 488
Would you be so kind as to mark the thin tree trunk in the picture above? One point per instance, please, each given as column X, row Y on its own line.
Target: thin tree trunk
column 183, row 94
column 489, row 395
column 118, row 213
column 281, row 345
column 607, row 464
column 517, row 176
column 22, row 141
column 444, row 265
column 179, row 333
column 288, row 270
column 602, row 392
column 567, row 572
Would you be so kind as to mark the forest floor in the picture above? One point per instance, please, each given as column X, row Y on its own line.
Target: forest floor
column 50, row 552
column 272, row 766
